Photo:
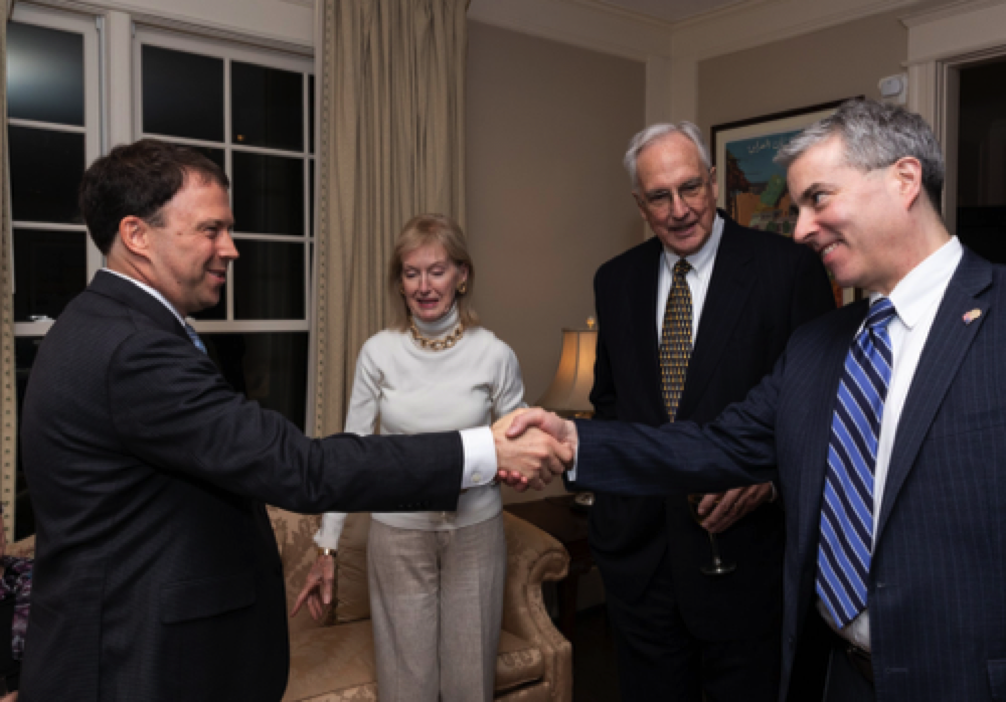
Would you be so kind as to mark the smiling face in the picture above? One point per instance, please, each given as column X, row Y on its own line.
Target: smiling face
column 852, row 219
column 676, row 194
column 429, row 281
column 190, row 252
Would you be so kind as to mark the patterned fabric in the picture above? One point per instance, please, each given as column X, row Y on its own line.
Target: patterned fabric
column 676, row 338
column 847, row 516
column 16, row 583
column 195, row 338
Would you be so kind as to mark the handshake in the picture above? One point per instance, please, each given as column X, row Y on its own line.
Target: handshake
column 532, row 447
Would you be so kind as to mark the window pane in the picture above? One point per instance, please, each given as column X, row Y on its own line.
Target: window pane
column 268, row 107
column 310, row 195
column 269, row 280
column 268, row 194
column 183, row 94
column 25, row 349
column 310, row 112
column 270, row 368
column 50, row 268
column 46, row 169
column 45, row 74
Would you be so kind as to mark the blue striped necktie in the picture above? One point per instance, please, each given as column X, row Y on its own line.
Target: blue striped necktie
column 195, row 338
column 846, row 547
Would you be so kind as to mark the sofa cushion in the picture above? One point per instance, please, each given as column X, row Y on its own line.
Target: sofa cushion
column 335, row 663
column 298, row 552
column 330, row 660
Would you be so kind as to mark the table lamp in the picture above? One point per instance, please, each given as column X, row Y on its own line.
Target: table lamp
column 569, row 394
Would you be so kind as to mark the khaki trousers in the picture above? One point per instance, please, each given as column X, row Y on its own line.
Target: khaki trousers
column 436, row 601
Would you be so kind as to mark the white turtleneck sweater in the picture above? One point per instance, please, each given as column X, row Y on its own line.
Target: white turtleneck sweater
column 401, row 388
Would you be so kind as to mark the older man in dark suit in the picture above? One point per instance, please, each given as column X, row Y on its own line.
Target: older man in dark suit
column 157, row 576
column 885, row 419
column 741, row 293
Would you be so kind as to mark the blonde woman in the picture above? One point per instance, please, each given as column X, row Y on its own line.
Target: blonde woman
column 436, row 579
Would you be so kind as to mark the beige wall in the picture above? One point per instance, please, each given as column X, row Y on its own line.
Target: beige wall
column 548, row 201
column 823, row 66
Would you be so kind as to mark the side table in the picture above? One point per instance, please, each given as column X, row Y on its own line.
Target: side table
column 556, row 517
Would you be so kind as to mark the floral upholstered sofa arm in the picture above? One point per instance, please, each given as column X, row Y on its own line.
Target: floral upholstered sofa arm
column 534, row 557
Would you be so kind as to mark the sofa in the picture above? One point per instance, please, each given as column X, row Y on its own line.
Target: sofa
column 333, row 660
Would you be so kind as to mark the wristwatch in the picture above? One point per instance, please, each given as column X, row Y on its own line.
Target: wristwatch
column 326, row 551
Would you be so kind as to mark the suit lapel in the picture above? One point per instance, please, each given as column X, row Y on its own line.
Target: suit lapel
column 819, row 409
column 733, row 275
column 642, row 292
column 948, row 341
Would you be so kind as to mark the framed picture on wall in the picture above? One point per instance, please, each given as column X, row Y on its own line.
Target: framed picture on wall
column 752, row 187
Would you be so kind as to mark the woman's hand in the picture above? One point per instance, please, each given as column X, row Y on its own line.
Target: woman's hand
column 317, row 592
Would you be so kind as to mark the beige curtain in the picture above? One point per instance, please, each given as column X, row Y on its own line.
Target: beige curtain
column 392, row 78
column 8, row 391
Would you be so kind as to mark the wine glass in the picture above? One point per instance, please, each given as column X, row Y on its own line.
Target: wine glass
column 718, row 566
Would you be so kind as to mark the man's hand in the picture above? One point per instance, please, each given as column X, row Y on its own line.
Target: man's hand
column 529, row 421
column 528, row 457
column 317, row 590
column 725, row 508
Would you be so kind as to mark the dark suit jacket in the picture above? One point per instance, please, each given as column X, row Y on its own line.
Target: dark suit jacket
column 937, row 590
column 763, row 286
column 157, row 575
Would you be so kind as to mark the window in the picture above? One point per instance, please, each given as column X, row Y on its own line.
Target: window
column 251, row 113
column 249, row 110
column 53, row 133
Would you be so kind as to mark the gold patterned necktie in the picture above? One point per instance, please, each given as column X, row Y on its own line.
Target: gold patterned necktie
column 676, row 339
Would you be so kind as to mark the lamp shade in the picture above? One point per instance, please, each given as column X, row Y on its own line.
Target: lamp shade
column 569, row 392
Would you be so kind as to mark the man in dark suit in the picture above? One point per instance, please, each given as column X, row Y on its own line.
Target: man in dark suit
column 157, row 575
column 885, row 420
column 679, row 632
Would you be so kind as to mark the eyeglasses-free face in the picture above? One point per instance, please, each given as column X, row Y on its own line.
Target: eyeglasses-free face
column 676, row 194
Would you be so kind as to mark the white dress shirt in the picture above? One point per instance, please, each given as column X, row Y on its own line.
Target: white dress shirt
column 916, row 300
column 702, row 262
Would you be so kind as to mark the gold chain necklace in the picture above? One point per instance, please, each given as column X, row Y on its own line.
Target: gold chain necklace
column 437, row 344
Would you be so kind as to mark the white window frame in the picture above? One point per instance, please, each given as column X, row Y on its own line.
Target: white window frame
column 88, row 27
column 271, row 59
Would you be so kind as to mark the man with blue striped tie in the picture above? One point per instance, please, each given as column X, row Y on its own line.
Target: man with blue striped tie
column 886, row 419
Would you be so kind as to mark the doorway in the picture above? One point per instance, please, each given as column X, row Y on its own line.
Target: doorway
column 981, row 159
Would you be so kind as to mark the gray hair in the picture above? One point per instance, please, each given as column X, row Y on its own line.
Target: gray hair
column 875, row 136
column 656, row 132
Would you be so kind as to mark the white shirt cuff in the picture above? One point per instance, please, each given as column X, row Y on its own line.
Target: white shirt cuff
column 571, row 473
column 331, row 529
column 480, row 457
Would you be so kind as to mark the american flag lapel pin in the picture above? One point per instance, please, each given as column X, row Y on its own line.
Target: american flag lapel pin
column 972, row 315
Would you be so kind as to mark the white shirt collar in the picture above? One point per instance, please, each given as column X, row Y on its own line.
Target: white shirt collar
column 151, row 291
column 925, row 284
column 702, row 260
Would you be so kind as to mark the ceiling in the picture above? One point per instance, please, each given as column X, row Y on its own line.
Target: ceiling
column 670, row 10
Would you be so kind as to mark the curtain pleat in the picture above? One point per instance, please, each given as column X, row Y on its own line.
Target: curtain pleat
column 8, row 393
column 392, row 134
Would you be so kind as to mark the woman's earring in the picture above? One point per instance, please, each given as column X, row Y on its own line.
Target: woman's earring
column 462, row 288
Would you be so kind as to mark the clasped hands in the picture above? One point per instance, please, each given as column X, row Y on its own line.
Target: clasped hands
column 532, row 447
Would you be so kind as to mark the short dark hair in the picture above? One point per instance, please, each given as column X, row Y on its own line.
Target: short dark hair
column 139, row 179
